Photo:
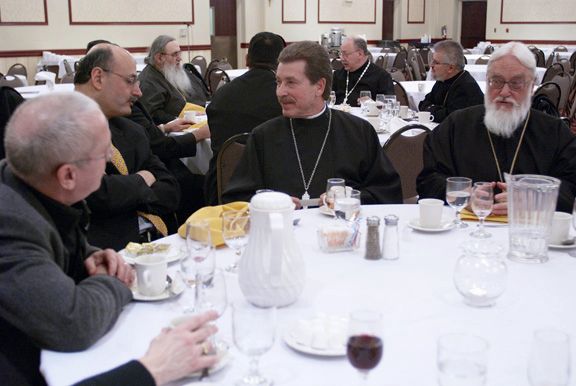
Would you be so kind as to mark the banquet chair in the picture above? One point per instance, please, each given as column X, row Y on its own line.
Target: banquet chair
column 573, row 62
column 216, row 63
column 539, row 56
column 566, row 66
column 564, row 82
column 552, row 58
column 380, row 61
column 217, row 77
column 11, row 81
column 425, row 54
column 401, row 94
column 405, row 153
column 482, row 60
column 489, row 50
column 551, row 90
column 561, row 49
column 336, row 64
column 200, row 61
column 67, row 67
column 552, row 71
column 397, row 75
column 68, row 78
column 17, row 69
column 227, row 160
column 400, row 59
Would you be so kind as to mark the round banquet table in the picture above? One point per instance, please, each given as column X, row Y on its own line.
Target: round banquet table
column 415, row 294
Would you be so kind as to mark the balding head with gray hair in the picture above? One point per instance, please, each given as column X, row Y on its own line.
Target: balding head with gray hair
column 48, row 131
column 156, row 48
column 519, row 51
column 452, row 53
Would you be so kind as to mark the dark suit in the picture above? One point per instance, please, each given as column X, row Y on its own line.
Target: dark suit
column 9, row 100
column 238, row 107
column 114, row 221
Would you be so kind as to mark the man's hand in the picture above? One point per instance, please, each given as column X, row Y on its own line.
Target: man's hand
column 182, row 350
column 296, row 202
column 109, row 262
column 147, row 176
column 201, row 133
column 176, row 125
column 501, row 199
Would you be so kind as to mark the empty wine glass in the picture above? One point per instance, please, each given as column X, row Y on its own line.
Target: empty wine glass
column 457, row 196
column 332, row 100
column 235, row 231
column 213, row 297
column 364, row 97
column 549, row 362
column 461, row 360
column 198, row 265
column 365, row 346
column 482, row 201
column 253, row 331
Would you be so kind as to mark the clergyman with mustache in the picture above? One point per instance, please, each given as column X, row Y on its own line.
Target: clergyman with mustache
column 166, row 86
column 502, row 136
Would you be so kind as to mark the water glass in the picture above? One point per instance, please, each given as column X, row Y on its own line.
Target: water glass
column 482, row 201
column 235, row 231
column 332, row 99
column 364, row 96
column 461, row 360
column 253, row 330
column 365, row 347
column 347, row 207
column 549, row 362
column 335, row 187
column 457, row 196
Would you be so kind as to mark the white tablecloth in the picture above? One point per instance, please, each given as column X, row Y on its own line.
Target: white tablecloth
column 478, row 72
column 415, row 295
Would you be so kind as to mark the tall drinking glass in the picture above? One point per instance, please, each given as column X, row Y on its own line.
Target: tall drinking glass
column 482, row 201
column 365, row 346
column 332, row 100
column 253, row 330
column 461, row 360
column 214, row 297
column 235, row 231
column 457, row 196
column 549, row 363
column 364, row 97
column 335, row 187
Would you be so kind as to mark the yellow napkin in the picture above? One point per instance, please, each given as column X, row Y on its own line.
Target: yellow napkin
column 465, row 214
column 192, row 107
column 214, row 216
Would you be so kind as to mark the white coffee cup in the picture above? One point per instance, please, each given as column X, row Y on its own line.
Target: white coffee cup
column 151, row 271
column 421, row 87
column 190, row 116
column 425, row 117
column 372, row 109
column 403, row 112
column 430, row 212
column 560, row 227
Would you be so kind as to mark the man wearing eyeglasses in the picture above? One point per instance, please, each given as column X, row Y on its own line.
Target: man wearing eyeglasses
column 502, row 136
column 166, row 85
column 455, row 88
column 138, row 195
column 359, row 74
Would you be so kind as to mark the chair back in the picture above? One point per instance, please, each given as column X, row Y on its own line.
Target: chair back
column 67, row 67
column 566, row 66
column 336, row 64
column 200, row 61
column 217, row 78
column 573, row 62
column 68, row 78
column 406, row 154
column 216, row 63
column 551, row 90
column 425, row 54
column 552, row 58
column 11, row 81
column 561, row 49
column 17, row 69
column 489, row 50
column 400, row 92
column 227, row 160
column 397, row 75
column 564, row 81
column 482, row 60
column 552, row 71
column 380, row 61
column 400, row 59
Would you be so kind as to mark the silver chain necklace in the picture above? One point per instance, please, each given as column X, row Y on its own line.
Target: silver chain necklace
column 347, row 94
column 306, row 196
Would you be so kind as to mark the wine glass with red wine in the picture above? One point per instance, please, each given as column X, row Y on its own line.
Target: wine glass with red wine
column 365, row 346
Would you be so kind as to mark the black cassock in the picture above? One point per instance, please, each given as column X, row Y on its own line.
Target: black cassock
column 375, row 79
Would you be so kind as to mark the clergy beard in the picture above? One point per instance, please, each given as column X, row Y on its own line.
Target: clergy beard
column 177, row 77
column 501, row 122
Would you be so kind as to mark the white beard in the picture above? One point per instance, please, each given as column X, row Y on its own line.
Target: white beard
column 501, row 122
column 177, row 77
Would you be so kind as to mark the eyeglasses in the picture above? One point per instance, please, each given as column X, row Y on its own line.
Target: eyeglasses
column 436, row 63
column 176, row 54
column 346, row 54
column 514, row 84
column 131, row 80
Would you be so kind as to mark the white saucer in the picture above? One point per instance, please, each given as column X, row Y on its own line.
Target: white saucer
column 445, row 225
column 171, row 291
column 224, row 358
column 329, row 327
column 561, row 246
column 173, row 254
column 326, row 211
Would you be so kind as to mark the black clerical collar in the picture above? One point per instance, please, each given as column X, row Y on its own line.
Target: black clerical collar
column 361, row 68
column 457, row 76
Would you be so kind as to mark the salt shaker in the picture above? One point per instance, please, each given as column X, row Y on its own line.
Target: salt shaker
column 390, row 243
column 373, row 251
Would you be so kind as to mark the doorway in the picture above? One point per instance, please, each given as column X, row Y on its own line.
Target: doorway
column 223, row 41
column 388, row 20
column 473, row 26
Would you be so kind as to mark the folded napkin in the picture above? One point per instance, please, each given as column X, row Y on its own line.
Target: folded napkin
column 192, row 107
column 214, row 216
column 465, row 214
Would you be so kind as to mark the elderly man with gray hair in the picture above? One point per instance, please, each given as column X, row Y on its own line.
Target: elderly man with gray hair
column 455, row 88
column 166, row 86
column 504, row 135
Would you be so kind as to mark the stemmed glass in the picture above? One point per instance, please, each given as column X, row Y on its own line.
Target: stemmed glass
column 364, row 97
column 332, row 99
column 482, row 201
column 235, row 231
column 549, row 362
column 253, row 330
column 365, row 346
column 213, row 297
column 199, row 264
column 457, row 196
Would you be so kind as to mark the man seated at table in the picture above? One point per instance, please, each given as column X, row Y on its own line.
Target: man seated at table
column 502, row 136
column 359, row 74
column 241, row 105
column 166, row 85
column 455, row 88
column 137, row 187
column 57, row 292
column 297, row 152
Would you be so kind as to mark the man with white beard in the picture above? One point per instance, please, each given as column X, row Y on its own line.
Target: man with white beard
column 502, row 136
column 166, row 86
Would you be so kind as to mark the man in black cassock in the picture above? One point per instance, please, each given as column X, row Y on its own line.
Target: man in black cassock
column 455, row 88
column 298, row 152
column 359, row 74
column 502, row 136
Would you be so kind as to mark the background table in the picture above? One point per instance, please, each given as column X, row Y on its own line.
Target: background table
column 415, row 295
column 478, row 72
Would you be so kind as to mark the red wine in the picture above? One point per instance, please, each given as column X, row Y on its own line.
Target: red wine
column 364, row 351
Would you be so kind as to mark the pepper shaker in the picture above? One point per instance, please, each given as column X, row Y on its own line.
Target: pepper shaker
column 390, row 242
column 373, row 251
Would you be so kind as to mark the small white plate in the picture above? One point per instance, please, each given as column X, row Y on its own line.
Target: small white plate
column 332, row 327
column 172, row 254
column 224, row 358
column 175, row 288
column 326, row 211
column 561, row 246
column 445, row 225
